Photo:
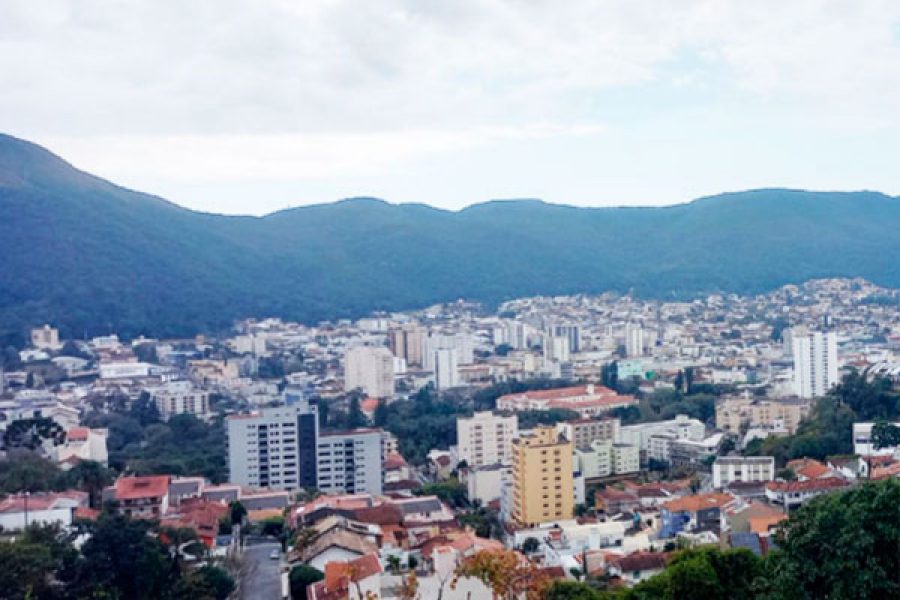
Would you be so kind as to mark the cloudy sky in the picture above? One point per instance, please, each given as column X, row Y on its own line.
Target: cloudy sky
column 248, row 107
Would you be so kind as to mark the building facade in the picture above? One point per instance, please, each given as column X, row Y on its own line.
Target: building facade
column 486, row 439
column 371, row 369
column 542, row 482
column 350, row 462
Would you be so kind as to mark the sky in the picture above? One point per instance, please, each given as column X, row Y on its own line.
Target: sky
column 250, row 107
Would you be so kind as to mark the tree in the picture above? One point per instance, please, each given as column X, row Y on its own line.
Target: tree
column 505, row 572
column 885, row 435
column 570, row 590
column 237, row 512
column 355, row 415
column 841, row 546
column 301, row 577
column 380, row 416
column 530, row 545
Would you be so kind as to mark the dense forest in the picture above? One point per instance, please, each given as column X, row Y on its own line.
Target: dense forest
column 91, row 257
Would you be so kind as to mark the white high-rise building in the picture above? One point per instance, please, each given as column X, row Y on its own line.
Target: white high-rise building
column 463, row 343
column 446, row 369
column 349, row 462
column 634, row 340
column 556, row 348
column 485, row 438
column 815, row 363
column 370, row 368
column 274, row 447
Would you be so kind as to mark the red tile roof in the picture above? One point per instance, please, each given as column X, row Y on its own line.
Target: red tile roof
column 133, row 488
column 810, row 485
column 698, row 502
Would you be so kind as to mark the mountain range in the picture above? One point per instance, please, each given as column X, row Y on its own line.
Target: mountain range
column 92, row 257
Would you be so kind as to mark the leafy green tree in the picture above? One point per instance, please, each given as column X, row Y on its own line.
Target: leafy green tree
column 885, row 435
column 301, row 577
column 530, row 545
column 841, row 546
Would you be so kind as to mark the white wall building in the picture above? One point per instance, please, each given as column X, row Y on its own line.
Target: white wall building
column 485, row 438
column 370, row 368
column 180, row 397
column 815, row 363
column 349, row 462
column 275, row 447
column 446, row 368
column 742, row 469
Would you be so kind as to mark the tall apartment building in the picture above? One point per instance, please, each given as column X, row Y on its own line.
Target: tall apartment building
column 407, row 343
column 634, row 340
column 542, row 481
column 370, row 368
column 570, row 332
column 462, row 342
column 485, row 438
column 180, row 397
column 446, row 368
column 274, row 447
column 815, row 363
column 349, row 462
column 583, row 432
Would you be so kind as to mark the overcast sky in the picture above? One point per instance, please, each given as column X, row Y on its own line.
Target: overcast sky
column 248, row 107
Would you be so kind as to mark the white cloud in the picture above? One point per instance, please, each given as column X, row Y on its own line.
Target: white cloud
column 298, row 91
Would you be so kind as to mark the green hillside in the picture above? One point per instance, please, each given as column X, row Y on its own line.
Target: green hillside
column 84, row 254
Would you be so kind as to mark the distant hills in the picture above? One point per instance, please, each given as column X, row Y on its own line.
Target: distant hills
column 91, row 257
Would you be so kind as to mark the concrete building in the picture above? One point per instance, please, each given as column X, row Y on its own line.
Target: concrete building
column 634, row 340
column 371, row 369
column 815, row 363
column 681, row 427
column 275, row 447
column 485, row 483
column 582, row 432
column 588, row 400
column 180, row 397
column 407, row 342
column 446, row 368
column 864, row 445
column 742, row 469
column 485, row 439
column 542, row 482
column 603, row 458
column 45, row 338
column 349, row 462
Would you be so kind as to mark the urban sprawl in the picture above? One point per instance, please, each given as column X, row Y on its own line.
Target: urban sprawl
column 587, row 435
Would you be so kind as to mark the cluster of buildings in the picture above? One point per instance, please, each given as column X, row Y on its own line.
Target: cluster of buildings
column 589, row 488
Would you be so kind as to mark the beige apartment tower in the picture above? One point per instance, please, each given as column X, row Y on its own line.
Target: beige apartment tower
column 543, row 488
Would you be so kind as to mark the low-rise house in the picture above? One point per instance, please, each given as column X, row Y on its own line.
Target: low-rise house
column 83, row 443
column 638, row 566
column 700, row 512
column 790, row 494
column 20, row 510
column 141, row 497
column 355, row 579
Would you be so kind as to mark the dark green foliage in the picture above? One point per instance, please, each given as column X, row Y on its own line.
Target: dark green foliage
column 451, row 491
column 705, row 572
column 885, row 434
column 200, row 271
column 841, row 546
column 182, row 446
column 301, row 577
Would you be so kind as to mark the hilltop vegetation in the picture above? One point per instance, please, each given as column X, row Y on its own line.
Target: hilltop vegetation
column 91, row 257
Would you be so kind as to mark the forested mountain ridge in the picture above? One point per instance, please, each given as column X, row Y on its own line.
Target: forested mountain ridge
column 92, row 257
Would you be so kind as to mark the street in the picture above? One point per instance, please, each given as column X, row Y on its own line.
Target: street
column 263, row 579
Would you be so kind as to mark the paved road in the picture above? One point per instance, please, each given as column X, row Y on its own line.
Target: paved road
column 264, row 576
